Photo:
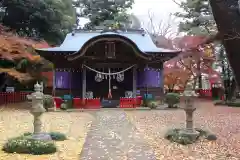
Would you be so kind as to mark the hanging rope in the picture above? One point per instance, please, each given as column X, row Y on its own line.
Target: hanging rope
column 109, row 84
column 115, row 73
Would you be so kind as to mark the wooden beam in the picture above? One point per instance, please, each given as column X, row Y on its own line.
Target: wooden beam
column 110, row 65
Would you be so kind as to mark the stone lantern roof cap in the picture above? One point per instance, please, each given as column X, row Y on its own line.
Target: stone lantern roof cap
column 37, row 87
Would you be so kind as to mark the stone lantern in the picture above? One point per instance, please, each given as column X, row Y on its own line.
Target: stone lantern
column 37, row 110
column 189, row 95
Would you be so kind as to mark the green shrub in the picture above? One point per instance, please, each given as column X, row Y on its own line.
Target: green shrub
column 233, row 104
column 24, row 144
column 48, row 102
column 150, row 103
column 56, row 136
column 174, row 135
column 172, row 99
column 228, row 103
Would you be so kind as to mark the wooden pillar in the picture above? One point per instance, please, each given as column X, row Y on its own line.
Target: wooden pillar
column 54, row 87
column 134, row 81
column 83, row 82
column 54, row 82
column 161, row 78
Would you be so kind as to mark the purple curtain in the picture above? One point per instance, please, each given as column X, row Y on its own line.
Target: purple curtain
column 150, row 78
column 62, row 80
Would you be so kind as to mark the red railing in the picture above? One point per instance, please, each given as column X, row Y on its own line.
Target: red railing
column 206, row 92
column 139, row 101
column 129, row 102
column 13, row 97
column 80, row 103
column 94, row 103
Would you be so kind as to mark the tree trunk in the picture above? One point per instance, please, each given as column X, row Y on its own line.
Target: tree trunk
column 222, row 60
column 227, row 17
column 3, row 79
column 232, row 90
column 199, row 75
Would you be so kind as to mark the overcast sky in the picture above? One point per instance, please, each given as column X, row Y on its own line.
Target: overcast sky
column 161, row 9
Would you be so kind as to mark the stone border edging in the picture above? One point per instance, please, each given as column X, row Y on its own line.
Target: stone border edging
column 82, row 110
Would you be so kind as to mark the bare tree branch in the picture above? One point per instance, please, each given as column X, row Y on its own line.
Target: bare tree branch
column 152, row 26
column 177, row 3
column 160, row 28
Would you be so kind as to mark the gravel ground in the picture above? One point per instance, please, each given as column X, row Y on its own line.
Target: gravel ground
column 15, row 122
column 222, row 121
column 113, row 137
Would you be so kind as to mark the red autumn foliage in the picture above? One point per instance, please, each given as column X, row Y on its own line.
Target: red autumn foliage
column 14, row 48
column 193, row 60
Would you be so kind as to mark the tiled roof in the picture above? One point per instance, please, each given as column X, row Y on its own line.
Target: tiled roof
column 74, row 42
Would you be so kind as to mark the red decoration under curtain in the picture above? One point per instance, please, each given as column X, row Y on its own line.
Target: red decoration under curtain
column 109, row 94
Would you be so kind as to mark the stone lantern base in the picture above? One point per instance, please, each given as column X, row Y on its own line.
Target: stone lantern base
column 52, row 109
column 193, row 134
column 41, row 137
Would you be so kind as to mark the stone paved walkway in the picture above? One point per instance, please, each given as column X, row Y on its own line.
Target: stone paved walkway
column 113, row 137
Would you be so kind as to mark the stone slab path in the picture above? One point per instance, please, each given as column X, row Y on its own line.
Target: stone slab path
column 113, row 137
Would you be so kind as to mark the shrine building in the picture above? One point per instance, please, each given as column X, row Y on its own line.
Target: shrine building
column 107, row 64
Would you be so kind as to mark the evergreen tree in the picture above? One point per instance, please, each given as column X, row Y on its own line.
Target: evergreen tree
column 50, row 20
column 197, row 18
column 105, row 12
column 226, row 73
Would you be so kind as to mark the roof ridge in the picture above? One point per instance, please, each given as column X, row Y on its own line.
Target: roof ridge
column 140, row 31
